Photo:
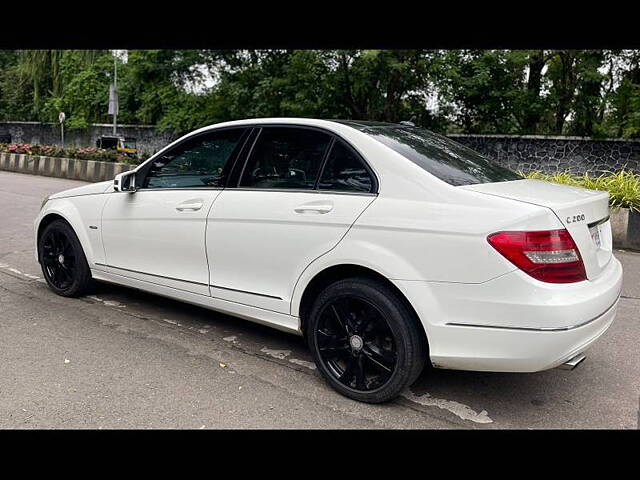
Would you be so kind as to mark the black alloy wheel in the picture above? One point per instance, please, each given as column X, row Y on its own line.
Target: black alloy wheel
column 365, row 340
column 59, row 260
column 62, row 259
column 356, row 344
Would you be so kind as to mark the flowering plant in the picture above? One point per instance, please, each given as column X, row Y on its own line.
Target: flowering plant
column 82, row 153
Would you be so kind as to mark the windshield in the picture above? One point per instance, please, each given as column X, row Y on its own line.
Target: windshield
column 448, row 160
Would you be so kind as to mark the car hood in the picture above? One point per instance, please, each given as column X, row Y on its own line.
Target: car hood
column 91, row 189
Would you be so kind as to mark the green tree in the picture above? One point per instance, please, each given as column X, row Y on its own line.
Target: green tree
column 385, row 85
column 530, row 101
column 152, row 82
column 579, row 92
column 485, row 86
column 15, row 96
column 563, row 76
column 624, row 100
column 44, row 71
column 85, row 93
column 388, row 85
column 588, row 94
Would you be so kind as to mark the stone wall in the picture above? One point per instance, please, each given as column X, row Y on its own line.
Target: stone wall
column 556, row 154
column 518, row 152
column 148, row 138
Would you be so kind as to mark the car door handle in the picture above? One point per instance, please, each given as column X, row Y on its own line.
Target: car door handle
column 314, row 208
column 192, row 206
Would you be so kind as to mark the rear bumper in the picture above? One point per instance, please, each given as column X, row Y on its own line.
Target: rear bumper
column 507, row 350
column 509, row 326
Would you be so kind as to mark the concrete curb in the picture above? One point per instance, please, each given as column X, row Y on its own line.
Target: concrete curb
column 72, row 168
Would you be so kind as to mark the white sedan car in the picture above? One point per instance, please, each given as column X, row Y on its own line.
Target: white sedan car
column 385, row 245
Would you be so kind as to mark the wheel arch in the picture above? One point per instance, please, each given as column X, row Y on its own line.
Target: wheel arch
column 48, row 219
column 59, row 214
column 334, row 273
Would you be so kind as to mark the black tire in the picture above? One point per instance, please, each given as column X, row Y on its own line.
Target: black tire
column 62, row 260
column 390, row 347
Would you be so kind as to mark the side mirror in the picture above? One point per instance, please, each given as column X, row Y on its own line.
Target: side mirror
column 125, row 182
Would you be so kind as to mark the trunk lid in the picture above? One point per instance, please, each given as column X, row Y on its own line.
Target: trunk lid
column 584, row 213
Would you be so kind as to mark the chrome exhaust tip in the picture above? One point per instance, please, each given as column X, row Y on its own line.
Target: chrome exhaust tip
column 573, row 362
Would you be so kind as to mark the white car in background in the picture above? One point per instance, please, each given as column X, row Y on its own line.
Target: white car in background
column 384, row 244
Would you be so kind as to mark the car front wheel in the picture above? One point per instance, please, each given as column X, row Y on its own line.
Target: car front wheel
column 364, row 339
column 62, row 259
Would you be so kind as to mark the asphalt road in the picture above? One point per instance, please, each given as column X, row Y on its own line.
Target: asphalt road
column 119, row 358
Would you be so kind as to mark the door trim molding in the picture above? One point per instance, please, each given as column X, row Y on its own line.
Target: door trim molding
column 245, row 291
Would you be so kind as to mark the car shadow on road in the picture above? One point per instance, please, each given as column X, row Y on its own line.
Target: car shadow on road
column 505, row 396
column 223, row 325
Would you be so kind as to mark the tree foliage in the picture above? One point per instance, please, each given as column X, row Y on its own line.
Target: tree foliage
column 570, row 92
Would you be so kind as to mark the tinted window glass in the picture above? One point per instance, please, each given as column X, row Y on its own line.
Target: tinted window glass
column 285, row 158
column 198, row 162
column 344, row 171
column 448, row 160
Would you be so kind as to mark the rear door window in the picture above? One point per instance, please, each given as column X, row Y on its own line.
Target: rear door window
column 285, row 158
column 345, row 171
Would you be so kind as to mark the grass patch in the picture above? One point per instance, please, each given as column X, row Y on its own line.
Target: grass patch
column 623, row 186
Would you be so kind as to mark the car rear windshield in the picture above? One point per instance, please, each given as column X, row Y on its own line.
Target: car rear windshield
column 448, row 160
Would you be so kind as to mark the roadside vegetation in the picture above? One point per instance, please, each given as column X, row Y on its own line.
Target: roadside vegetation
column 623, row 186
column 83, row 153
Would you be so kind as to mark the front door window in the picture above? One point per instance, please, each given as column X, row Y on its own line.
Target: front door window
column 198, row 162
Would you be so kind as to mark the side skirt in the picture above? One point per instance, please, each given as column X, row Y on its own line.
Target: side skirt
column 280, row 321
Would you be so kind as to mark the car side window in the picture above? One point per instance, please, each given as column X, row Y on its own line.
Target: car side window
column 285, row 157
column 345, row 171
column 197, row 162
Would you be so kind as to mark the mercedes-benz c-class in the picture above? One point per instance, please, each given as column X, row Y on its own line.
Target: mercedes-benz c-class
column 385, row 245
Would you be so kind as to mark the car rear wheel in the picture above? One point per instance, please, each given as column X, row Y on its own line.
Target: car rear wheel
column 62, row 259
column 365, row 340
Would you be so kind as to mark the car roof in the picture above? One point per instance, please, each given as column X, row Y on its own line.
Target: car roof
column 360, row 125
column 366, row 124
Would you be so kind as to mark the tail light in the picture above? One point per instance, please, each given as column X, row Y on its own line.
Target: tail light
column 549, row 256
